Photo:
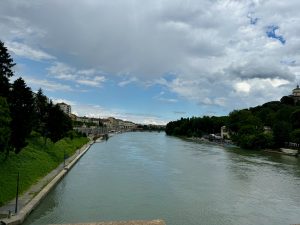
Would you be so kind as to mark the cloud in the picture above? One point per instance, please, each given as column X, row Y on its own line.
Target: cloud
column 60, row 100
column 88, row 77
column 128, row 81
column 161, row 97
column 222, row 53
column 97, row 111
column 46, row 84
column 26, row 51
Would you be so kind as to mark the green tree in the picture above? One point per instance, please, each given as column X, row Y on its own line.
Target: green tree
column 295, row 119
column 281, row 132
column 58, row 123
column 295, row 136
column 41, row 112
column 5, row 126
column 287, row 100
column 22, row 111
column 6, row 65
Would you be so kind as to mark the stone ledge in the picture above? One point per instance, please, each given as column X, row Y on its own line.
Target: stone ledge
column 133, row 222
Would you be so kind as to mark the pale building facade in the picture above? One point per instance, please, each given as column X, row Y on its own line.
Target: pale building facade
column 65, row 108
column 296, row 94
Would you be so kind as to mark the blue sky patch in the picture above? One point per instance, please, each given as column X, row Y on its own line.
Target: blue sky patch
column 271, row 33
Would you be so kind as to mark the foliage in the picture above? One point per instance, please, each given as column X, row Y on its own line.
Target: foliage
column 58, row 123
column 21, row 108
column 287, row 100
column 33, row 162
column 5, row 125
column 295, row 136
column 195, row 126
column 41, row 112
column 270, row 125
column 150, row 127
column 27, row 111
column 295, row 119
column 6, row 65
column 281, row 132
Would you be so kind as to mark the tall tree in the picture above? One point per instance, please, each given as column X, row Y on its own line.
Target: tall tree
column 58, row 123
column 22, row 111
column 295, row 119
column 6, row 65
column 5, row 126
column 41, row 112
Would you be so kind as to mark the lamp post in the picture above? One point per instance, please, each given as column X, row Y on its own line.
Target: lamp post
column 64, row 158
column 17, row 194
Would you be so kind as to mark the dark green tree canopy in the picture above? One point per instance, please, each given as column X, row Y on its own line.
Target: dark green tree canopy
column 6, row 65
column 22, row 111
column 4, row 125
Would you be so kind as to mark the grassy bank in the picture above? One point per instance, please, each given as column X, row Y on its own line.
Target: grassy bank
column 33, row 162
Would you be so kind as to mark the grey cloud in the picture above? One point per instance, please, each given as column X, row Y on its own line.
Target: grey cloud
column 260, row 68
column 210, row 45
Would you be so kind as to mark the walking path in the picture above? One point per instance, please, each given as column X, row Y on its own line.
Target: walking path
column 31, row 198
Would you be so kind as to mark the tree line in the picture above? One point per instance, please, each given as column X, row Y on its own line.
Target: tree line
column 23, row 111
column 271, row 125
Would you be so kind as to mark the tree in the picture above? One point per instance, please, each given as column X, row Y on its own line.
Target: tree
column 22, row 110
column 295, row 136
column 41, row 112
column 5, row 126
column 58, row 123
column 287, row 100
column 295, row 119
column 281, row 132
column 6, row 65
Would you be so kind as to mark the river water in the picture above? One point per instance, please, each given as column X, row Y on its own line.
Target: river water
column 151, row 175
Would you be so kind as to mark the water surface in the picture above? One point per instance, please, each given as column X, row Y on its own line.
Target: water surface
column 151, row 175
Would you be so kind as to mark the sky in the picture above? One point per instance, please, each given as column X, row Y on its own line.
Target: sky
column 155, row 61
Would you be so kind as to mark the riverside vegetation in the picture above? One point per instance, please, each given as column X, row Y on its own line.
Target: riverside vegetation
column 35, row 161
column 34, row 133
column 271, row 125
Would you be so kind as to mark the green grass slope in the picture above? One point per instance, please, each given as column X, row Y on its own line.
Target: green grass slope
column 34, row 162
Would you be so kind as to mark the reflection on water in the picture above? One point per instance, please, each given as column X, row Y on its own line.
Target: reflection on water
column 150, row 175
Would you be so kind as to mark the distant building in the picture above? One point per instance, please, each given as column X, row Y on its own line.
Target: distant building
column 296, row 94
column 225, row 133
column 65, row 108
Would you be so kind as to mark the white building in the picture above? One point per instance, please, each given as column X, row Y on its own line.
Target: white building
column 296, row 94
column 225, row 133
column 65, row 108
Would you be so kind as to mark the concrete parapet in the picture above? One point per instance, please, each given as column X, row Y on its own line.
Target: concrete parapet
column 133, row 222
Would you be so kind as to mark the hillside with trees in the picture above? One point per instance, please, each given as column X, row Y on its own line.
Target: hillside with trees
column 23, row 111
column 272, row 125
column 35, row 134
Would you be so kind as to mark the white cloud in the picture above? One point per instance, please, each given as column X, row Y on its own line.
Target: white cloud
column 242, row 87
column 87, row 77
column 217, row 53
column 97, row 111
column 46, row 84
column 60, row 100
column 26, row 51
column 127, row 81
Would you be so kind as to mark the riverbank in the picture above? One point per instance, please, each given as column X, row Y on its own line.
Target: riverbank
column 58, row 173
column 37, row 164
column 227, row 143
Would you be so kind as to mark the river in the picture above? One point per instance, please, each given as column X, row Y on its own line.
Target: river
column 151, row 175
